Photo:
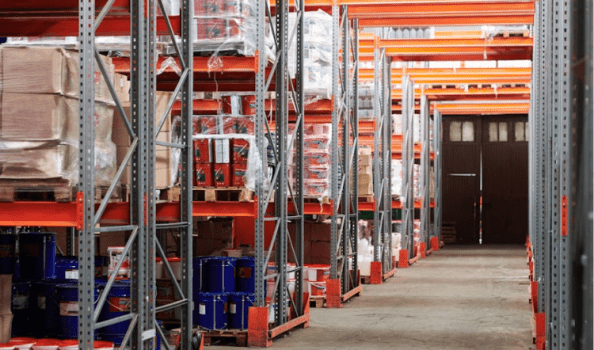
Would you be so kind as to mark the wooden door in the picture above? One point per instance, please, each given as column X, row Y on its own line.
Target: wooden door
column 461, row 175
column 505, row 179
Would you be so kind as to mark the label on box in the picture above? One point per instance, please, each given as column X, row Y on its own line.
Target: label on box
column 71, row 274
column 119, row 304
column 233, row 308
column 222, row 149
column 69, row 308
column 20, row 302
column 202, row 309
column 41, row 302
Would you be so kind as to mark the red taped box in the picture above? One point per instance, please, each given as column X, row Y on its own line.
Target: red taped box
column 203, row 151
column 240, row 149
column 222, row 175
column 204, row 175
column 205, row 125
column 239, row 172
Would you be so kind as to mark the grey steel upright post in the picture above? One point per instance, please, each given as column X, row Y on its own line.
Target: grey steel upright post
column 378, row 142
column 387, row 160
column 260, row 119
column 437, row 163
column 563, row 191
column 86, row 184
column 408, row 111
column 425, row 171
column 334, row 158
column 355, row 153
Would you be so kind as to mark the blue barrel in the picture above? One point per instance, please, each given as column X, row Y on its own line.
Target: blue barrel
column 160, row 323
column 239, row 304
column 67, row 268
column 117, row 304
column 7, row 253
column 45, row 309
column 212, row 310
column 245, row 280
column 199, row 273
column 220, row 275
column 37, row 252
column 67, row 298
column 21, row 297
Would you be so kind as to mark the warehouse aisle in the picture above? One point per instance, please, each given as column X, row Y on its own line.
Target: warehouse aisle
column 459, row 298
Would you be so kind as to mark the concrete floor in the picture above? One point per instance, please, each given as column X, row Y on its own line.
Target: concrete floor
column 462, row 297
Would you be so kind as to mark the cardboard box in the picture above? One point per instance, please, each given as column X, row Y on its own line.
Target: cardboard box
column 239, row 173
column 203, row 151
column 41, row 161
column 48, row 70
column 222, row 175
column 365, row 184
column 240, row 150
column 365, row 157
column 5, row 294
column 365, row 169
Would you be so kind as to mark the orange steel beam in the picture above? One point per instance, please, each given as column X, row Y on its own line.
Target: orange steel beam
column 498, row 48
column 470, row 76
column 476, row 108
column 470, row 94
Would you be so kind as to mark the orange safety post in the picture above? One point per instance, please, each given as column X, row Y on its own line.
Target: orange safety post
column 258, row 327
column 423, row 248
column 403, row 258
column 376, row 273
column 333, row 291
column 540, row 330
column 434, row 244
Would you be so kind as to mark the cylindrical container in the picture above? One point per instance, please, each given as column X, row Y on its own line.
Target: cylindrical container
column 220, row 274
column 67, row 297
column 158, row 268
column 199, row 273
column 175, row 264
column 239, row 304
column 248, row 104
column 232, row 104
column 47, row 344
column 117, row 304
column 245, row 275
column 21, row 321
column 160, row 324
column 23, row 343
column 67, row 268
column 7, row 253
column 114, row 256
column 100, row 266
column 69, row 344
column 45, row 309
column 37, row 255
column 212, row 310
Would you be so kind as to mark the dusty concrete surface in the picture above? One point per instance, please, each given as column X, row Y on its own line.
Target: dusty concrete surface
column 464, row 297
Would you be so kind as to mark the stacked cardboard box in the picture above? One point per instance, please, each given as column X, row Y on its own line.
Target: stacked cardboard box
column 365, row 172
column 165, row 159
column 39, row 116
column 212, row 236
column 5, row 311
column 366, row 102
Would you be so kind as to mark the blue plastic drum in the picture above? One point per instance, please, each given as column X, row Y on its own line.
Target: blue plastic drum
column 45, row 309
column 212, row 310
column 37, row 253
column 239, row 304
column 7, row 254
column 245, row 279
column 117, row 304
column 67, row 268
column 199, row 273
column 220, row 275
column 21, row 321
column 67, row 298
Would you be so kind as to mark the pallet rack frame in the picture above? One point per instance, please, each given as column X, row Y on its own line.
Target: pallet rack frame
column 408, row 210
column 437, row 165
column 425, row 176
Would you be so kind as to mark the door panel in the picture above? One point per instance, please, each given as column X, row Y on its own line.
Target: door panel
column 505, row 180
column 461, row 171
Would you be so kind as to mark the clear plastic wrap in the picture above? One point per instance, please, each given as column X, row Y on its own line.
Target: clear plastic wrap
column 39, row 117
column 489, row 32
column 396, row 177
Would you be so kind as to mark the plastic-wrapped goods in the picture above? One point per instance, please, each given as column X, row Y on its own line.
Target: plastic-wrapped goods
column 396, row 177
column 40, row 116
column 227, row 25
column 417, row 182
column 397, row 124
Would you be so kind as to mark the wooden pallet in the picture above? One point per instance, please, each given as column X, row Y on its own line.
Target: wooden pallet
column 317, row 301
column 55, row 190
column 209, row 194
column 366, row 198
column 226, row 336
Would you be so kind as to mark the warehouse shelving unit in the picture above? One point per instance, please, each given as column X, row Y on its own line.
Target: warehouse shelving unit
column 344, row 282
column 407, row 193
column 137, row 216
column 438, row 167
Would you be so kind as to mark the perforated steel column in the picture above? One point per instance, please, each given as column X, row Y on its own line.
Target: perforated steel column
column 425, row 172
